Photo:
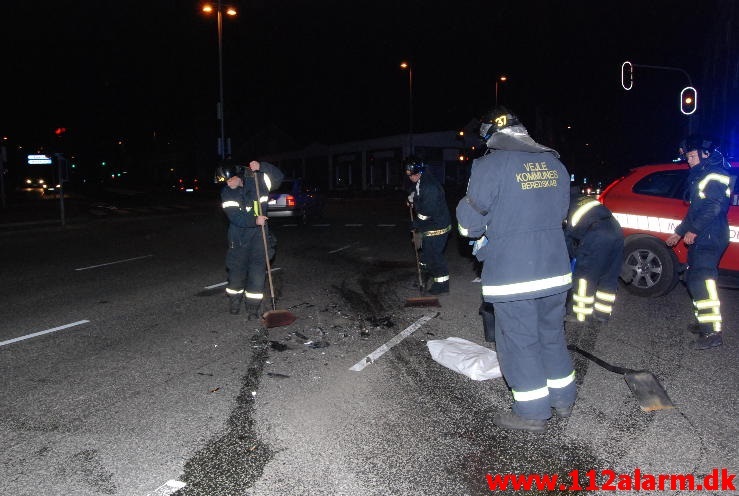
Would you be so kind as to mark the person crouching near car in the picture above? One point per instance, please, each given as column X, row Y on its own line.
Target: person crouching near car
column 705, row 231
column 431, row 224
column 245, row 258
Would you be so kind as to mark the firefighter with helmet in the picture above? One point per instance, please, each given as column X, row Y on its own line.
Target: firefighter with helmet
column 705, row 231
column 517, row 198
column 246, row 212
column 431, row 223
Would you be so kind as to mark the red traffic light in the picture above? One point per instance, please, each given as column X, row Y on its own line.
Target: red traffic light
column 688, row 100
column 60, row 130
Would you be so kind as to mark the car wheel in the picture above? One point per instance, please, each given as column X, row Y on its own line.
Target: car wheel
column 652, row 266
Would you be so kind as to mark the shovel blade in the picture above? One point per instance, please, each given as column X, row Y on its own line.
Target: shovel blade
column 422, row 301
column 648, row 391
column 278, row 318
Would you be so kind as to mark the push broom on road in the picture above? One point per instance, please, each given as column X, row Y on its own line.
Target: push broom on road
column 420, row 301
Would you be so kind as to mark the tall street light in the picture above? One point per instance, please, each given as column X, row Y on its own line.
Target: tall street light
column 208, row 8
column 501, row 79
column 407, row 66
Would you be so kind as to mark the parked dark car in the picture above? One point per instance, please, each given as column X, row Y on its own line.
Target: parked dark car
column 295, row 199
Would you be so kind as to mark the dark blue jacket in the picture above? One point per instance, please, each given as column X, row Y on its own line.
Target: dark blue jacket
column 241, row 205
column 432, row 211
column 710, row 190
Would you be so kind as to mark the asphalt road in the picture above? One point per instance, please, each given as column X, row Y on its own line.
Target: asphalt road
column 153, row 381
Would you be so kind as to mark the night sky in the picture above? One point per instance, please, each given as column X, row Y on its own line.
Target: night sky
column 328, row 71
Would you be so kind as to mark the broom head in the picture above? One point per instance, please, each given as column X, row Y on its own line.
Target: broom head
column 422, row 301
column 278, row 318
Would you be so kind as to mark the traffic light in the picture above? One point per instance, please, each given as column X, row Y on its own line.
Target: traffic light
column 627, row 75
column 688, row 100
column 60, row 130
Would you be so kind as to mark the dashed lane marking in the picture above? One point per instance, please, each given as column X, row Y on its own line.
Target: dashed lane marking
column 212, row 286
column 41, row 333
column 337, row 250
column 167, row 488
column 372, row 357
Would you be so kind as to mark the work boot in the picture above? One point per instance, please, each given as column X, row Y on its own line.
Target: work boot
column 706, row 341
column 252, row 311
column 512, row 421
column 234, row 303
column 439, row 287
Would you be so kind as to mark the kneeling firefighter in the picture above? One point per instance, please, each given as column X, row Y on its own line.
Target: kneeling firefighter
column 431, row 223
column 595, row 240
column 245, row 259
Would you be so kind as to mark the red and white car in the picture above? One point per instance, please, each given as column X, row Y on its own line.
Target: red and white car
column 649, row 202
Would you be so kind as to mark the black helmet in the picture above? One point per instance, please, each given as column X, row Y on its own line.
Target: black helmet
column 697, row 142
column 496, row 120
column 227, row 170
column 414, row 165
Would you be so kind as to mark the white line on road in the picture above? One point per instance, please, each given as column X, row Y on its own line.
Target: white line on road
column 386, row 225
column 216, row 285
column 167, row 488
column 113, row 263
column 372, row 357
column 320, row 225
column 353, row 225
column 337, row 250
column 41, row 333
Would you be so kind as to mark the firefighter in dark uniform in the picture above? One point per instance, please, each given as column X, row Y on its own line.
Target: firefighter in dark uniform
column 705, row 230
column 517, row 199
column 596, row 242
column 431, row 223
column 245, row 259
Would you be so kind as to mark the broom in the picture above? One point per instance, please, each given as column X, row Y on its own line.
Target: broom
column 274, row 317
column 421, row 301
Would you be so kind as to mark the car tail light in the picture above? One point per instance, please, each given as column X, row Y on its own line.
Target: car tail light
column 289, row 200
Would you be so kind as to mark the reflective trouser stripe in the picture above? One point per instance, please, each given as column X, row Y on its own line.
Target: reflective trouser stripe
column 708, row 311
column 602, row 308
column 560, row 383
column 583, row 302
column 528, row 286
column 253, row 296
column 535, row 394
column 234, row 291
column 441, row 279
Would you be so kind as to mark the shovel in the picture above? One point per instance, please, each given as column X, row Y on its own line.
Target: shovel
column 274, row 317
column 421, row 301
column 648, row 391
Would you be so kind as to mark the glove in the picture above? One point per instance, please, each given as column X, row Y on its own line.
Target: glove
column 476, row 245
column 410, row 199
column 417, row 239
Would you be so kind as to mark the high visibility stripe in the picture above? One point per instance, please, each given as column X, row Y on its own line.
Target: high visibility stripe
column 254, row 296
column 422, row 217
column 230, row 203
column 603, row 308
column 263, row 198
column 463, row 230
column 268, row 183
column 441, row 279
column 709, row 318
column 711, row 288
column 528, row 286
column 660, row 224
column 603, row 296
column 438, row 232
column 530, row 395
column 583, row 299
column 725, row 180
column 582, row 211
column 703, row 304
column 560, row 383
column 234, row 291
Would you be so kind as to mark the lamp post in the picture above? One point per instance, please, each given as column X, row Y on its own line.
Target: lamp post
column 404, row 66
column 208, row 9
column 501, row 79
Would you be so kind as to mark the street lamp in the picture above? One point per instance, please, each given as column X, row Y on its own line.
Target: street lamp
column 230, row 11
column 404, row 66
column 501, row 79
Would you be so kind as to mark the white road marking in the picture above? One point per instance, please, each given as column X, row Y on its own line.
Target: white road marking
column 386, row 225
column 167, row 488
column 372, row 357
column 113, row 263
column 353, row 225
column 337, row 250
column 320, row 225
column 41, row 333
column 216, row 285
